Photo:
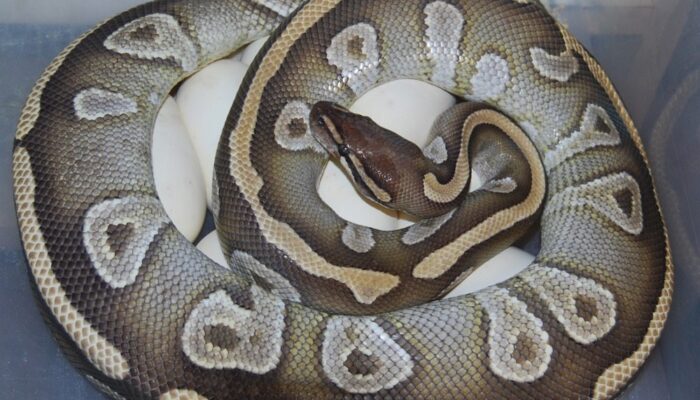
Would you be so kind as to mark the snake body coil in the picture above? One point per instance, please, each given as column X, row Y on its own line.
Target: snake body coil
column 317, row 307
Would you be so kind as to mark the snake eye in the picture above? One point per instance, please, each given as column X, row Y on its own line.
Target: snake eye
column 343, row 150
column 321, row 122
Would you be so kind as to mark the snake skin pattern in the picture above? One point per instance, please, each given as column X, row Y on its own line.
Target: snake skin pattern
column 315, row 307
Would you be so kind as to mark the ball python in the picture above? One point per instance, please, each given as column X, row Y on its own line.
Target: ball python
column 314, row 307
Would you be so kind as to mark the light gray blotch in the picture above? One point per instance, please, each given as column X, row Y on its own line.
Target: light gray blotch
column 510, row 323
column 587, row 137
column 559, row 68
column 505, row 185
column 292, row 130
column 491, row 77
column 560, row 290
column 425, row 229
column 444, row 30
column 358, row 238
column 490, row 162
column 355, row 52
column 362, row 337
column 257, row 332
column 600, row 194
column 130, row 224
column 436, row 151
column 155, row 36
column 94, row 103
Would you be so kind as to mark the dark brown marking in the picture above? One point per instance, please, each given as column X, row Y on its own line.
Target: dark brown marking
column 147, row 33
column 356, row 48
column 524, row 349
column 221, row 336
column 359, row 363
column 601, row 125
column 586, row 307
column 624, row 201
column 118, row 236
column 297, row 128
column 243, row 299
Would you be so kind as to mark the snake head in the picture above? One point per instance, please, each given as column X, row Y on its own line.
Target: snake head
column 378, row 161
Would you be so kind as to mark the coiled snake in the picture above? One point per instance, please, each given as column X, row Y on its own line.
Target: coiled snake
column 313, row 306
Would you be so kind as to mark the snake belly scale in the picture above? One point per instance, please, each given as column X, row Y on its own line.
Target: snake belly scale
column 315, row 307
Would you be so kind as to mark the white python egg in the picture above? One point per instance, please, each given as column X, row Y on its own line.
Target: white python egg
column 406, row 107
column 177, row 172
column 249, row 53
column 205, row 100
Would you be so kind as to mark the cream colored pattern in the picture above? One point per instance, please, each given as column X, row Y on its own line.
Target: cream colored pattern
column 519, row 348
column 377, row 191
column 361, row 338
column 562, row 292
column 439, row 192
column 163, row 39
column 257, row 332
column 96, row 348
column 215, row 202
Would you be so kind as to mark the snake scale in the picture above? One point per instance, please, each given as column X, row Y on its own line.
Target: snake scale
column 314, row 307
